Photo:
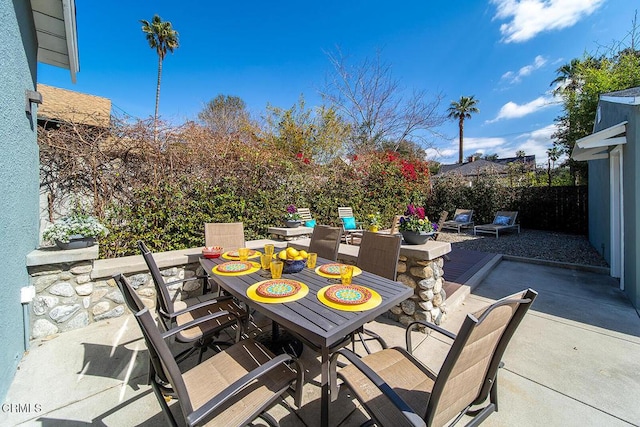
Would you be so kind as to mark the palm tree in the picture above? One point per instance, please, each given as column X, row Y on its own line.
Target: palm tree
column 553, row 154
column 566, row 76
column 462, row 110
column 161, row 37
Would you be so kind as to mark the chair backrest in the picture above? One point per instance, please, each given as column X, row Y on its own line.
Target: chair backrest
column 131, row 297
column 512, row 215
column 325, row 241
column 395, row 226
column 345, row 212
column 471, row 366
column 379, row 254
column 305, row 214
column 135, row 304
column 229, row 235
column 167, row 368
column 441, row 220
column 163, row 298
column 468, row 212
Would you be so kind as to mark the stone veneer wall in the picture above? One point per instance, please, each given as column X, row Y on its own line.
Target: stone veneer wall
column 73, row 291
column 67, row 298
column 428, row 302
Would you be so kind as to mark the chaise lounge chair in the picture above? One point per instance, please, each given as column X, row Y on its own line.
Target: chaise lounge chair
column 462, row 218
column 504, row 220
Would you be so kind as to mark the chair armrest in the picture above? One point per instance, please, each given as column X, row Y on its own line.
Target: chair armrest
column 380, row 383
column 199, row 321
column 198, row 416
column 428, row 325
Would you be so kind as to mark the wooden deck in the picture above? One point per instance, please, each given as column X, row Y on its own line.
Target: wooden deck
column 461, row 266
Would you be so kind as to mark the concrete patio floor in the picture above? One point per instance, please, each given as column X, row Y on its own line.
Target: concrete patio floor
column 573, row 362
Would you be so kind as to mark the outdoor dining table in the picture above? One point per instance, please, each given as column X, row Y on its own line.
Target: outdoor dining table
column 308, row 319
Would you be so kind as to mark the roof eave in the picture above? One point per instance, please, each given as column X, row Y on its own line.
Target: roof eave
column 57, row 35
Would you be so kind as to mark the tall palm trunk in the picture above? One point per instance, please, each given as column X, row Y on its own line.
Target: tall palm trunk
column 155, row 117
column 461, row 130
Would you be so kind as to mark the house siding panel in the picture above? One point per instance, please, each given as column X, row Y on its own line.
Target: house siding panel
column 612, row 114
column 18, row 176
column 632, row 206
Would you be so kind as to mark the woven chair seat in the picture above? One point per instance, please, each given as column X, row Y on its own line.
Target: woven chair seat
column 212, row 376
column 412, row 381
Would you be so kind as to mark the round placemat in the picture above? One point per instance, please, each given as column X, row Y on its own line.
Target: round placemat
column 347, row 294
column 373, row 302
column 253, row 294
column 236, row 268
column 278, row 288
column 234, row 255
column 332, row 270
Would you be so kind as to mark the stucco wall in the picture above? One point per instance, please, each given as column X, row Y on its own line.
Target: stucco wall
column 18, row 177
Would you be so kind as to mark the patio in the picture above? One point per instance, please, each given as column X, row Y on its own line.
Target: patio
column 573, row 361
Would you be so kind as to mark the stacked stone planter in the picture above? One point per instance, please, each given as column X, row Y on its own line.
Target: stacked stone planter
column 68, row 298
column 429, row 299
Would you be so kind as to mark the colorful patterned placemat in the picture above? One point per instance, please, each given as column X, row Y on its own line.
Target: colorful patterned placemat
column 353, row 297
column 332, row 270
column 347, row 294
column 236, row 268
column 277, row 290
column 234, row 255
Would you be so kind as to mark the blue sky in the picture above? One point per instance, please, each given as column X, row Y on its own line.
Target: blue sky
column 504, row 52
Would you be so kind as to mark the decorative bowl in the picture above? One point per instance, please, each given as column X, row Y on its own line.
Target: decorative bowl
column 291, row 266
column 212, row 251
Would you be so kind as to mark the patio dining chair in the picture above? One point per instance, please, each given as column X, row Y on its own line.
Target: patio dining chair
column 231, row 388
column 379, row 255
column 350, row 226
column 325, row 241
column 172, row 312
column 135, row 304
column 396, row 389
column 504, row 220
column 229, row 235
column 462, row 218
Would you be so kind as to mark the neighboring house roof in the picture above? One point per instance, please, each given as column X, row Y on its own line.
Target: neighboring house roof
column 473, row 168
column 628, row 96
column 529, row 161
column 55, row 22
column 73, row 107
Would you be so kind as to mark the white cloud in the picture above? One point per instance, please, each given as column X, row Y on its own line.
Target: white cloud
column 527, row 18
column 532, row 143
column 481, row 145
column 537, row 142
column 511, row 110
column 512, row 77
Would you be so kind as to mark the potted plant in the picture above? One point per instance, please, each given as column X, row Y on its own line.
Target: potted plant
column 415, row 226
column 292, row 217
column 75, row 231
column 374, row 221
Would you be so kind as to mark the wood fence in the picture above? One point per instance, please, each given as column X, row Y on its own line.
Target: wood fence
column 554, row 208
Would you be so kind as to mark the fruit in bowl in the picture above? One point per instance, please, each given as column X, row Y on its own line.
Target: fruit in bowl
column 294, row 260
column 212, row 251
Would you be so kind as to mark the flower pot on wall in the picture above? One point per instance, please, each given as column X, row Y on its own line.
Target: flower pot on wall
column 77, row 242
column 415, row 238
column 292, row 223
